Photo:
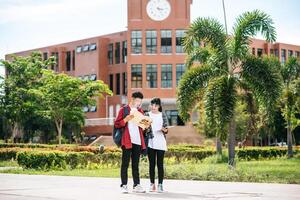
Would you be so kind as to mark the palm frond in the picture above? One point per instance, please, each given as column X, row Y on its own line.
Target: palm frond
column 220, row 100
column 189, row 89
column 197, row 55
column 207, row 30
column 248, row 25
column 290, row 70
column 263, row 79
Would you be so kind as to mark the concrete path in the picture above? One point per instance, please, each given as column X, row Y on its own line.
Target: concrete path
column 33, row 187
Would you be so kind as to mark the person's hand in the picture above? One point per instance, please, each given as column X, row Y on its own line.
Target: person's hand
column 128, row 118
column 164, row 130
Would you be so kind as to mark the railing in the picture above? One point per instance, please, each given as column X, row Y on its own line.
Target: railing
column 99, row 121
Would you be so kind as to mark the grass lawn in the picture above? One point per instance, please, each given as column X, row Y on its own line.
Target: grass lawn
column 280, row 170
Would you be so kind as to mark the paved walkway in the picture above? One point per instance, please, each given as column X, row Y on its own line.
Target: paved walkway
column 33, row 187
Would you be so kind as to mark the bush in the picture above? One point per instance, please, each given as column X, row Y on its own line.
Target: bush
column 53, row 159
column 256, row 153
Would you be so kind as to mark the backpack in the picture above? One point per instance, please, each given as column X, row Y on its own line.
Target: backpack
column 118, row 132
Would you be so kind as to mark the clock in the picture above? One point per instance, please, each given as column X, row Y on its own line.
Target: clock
column 158, row 10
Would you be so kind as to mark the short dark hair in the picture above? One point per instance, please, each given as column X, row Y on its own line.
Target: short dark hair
column 137, row 95
column 156, row 101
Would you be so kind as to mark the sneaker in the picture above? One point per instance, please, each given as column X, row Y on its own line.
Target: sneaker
column 124, row 189
column 152, row 187
column 138, row 189
column 160, row 188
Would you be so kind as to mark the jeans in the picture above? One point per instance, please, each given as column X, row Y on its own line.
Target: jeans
column 133, row 153
column 156, row 156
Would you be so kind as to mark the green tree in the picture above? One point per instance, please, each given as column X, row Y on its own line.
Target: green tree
column 226, row 68
column 62, row 97
column 290, row 72
column 15, row 100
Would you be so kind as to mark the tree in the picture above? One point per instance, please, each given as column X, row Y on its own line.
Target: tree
column 61, row 97
column 290, row 72
column 16, row 102
column 221, row 67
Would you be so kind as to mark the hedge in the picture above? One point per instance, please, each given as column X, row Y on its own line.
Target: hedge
column 46, row 158
column 53, row 159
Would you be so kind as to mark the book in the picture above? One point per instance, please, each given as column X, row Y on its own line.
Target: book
column 141, row 120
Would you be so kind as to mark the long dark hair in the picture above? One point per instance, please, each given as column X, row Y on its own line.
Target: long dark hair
column 157, row 101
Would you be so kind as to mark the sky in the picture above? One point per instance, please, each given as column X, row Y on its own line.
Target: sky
column 28, row 24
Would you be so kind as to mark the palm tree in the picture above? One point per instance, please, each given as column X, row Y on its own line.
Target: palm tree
column 220, row 68
column 290, row 72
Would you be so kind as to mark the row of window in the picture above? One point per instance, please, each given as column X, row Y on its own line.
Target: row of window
column 275, row 52
column 117, row 52
column 89, row 109
column 86, row 47
column 151, row 75
column 117, row 90
column 91, row 77
column 151, row 41
column 70, row 60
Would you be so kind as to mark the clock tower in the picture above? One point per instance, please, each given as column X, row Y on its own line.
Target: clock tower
column 154, row 49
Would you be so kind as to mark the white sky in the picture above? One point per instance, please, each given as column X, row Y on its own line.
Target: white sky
column 28, row 24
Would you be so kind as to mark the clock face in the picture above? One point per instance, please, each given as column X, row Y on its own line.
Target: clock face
column 158, row 10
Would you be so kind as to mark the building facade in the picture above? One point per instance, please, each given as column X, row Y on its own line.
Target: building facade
column 147, row 57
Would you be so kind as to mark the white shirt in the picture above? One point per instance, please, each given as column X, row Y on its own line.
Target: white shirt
column 134, row 131
column 158, row 142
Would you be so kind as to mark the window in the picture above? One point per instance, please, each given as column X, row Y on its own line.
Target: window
column 118, row 92
column 93, row 47
column 180, row 69
column 45, row 55
column 151, row 71
column 85, row 48
column 290, row 53
column 283, row 55
column 297, row 54
column 124, row 51
column 85, row 109
column 259, row 52
column 172, row 116
column 136, row 42
column 166, row 76
column 73, row 60
column 93, row 77
column 272, row 51
column 111, row 82
column 117, row 53
column 151, row 42
column 276, row 52
column 166, row 41
column 253, row 51
column 179, row 41
column 78, row 49
column 110, row 53
column 56, row 59
column 136, row 76
column 93, row 108
column 68, row 61
column 124, row 83
column 86, row 78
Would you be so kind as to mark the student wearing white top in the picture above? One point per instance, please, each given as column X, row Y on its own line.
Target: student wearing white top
column 157, row 144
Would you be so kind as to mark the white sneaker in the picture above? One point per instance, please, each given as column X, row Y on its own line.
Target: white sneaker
column 138, row 189
column 152, row 187
column 160, row 188
column 124, row 189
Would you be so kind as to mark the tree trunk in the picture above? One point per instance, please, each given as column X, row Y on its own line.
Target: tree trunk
column 59, row 124
column 231, row 142
column 218, row 145
column 289, row 140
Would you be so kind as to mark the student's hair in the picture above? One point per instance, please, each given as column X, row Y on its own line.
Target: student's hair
column 137, row 95
column 157, row 101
